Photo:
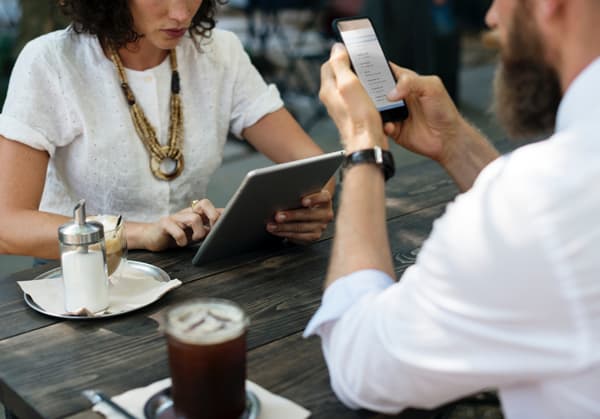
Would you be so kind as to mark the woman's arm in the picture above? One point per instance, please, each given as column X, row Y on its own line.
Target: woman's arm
column 280, row 138
column 24, row 230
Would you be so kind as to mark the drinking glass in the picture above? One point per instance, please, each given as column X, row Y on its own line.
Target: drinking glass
column 115, row 241
column 206, row 342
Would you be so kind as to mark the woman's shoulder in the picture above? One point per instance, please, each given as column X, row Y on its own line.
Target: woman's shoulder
column 224, row 37
column 63, row 46
column 51, row 42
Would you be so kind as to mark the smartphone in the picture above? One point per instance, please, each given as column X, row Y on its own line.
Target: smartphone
column 370, row 64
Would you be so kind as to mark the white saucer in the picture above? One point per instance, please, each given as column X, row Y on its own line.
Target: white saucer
column 145, row 269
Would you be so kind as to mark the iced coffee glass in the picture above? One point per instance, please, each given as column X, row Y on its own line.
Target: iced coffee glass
column 115, row 241
column 206, row 342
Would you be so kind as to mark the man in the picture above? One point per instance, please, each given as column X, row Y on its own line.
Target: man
column 504, row 293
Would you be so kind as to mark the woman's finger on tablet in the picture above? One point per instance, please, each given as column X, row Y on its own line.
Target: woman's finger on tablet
column 318, row 198
column 193, row 223
column 317, row 213
column 206, row 208
column 175, row 229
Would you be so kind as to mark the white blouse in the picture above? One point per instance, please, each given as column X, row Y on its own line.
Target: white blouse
column 65, row 97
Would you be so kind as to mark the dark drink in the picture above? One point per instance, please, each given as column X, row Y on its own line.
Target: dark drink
column 206, row 341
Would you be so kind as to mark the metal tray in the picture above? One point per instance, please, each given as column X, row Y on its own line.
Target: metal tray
column 154, row 271
column 160, row 406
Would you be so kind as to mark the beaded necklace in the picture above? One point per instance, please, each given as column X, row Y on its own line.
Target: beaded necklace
column 166, row 162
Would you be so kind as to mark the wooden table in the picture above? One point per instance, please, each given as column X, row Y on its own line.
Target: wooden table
column 45, row 362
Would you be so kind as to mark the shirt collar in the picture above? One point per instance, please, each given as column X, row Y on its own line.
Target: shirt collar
column 581, row 98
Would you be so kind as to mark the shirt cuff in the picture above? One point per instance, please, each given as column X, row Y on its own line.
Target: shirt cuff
column 15, row 130
column 268, row 102
column 343, row 294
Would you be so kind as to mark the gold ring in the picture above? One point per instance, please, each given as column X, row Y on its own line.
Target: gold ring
column 194, row 202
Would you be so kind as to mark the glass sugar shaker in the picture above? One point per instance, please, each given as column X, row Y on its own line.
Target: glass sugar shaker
column 83, row 262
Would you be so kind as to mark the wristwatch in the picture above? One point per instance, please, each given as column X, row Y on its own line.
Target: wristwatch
column 376, row 155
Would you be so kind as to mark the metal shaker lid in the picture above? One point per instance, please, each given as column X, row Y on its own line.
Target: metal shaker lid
column 78, row 231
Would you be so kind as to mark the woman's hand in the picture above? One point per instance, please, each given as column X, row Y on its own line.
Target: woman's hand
column 179, row 229
column 306, row 224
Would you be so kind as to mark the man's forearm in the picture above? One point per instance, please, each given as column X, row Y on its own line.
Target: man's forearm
column 468, row 157
column 361, row 240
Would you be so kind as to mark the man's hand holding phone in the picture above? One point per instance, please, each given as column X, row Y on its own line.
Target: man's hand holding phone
column 370, row 65
column 434, row 128
column 349, row 105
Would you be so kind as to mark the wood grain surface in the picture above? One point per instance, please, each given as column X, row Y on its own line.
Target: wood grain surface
column 45, row 362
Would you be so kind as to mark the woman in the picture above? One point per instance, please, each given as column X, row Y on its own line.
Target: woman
column 129, row 108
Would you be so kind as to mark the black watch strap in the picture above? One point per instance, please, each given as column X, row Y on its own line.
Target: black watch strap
column 376, row 155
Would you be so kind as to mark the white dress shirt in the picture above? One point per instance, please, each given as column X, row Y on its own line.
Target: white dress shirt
column 505, row 293
column 65, row 98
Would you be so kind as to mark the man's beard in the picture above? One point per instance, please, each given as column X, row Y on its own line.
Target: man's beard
column 527, row 90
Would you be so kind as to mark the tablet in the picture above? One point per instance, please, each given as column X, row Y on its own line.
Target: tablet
column 242, row 226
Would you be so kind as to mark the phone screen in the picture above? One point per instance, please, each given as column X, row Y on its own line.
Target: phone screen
column 368, row 61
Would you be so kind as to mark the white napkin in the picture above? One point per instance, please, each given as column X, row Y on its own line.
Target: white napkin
column 271, row 405
column 130, row 288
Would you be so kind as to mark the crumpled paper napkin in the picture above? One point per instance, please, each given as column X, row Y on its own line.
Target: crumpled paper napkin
column 272, row 406
column 130, row 288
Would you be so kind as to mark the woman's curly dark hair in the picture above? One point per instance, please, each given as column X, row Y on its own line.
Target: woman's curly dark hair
column 111, row 20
